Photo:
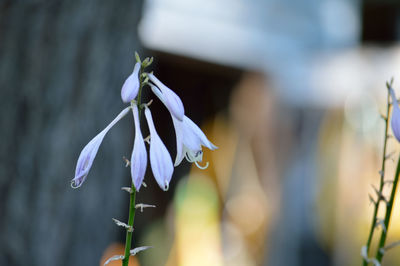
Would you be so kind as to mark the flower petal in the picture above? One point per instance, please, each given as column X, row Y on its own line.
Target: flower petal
column 189, row 139
column 160, row 159
column 170, row 99
column 395, row 115
column 131, row 85
column 180, row 154
column 197, row 131
column 89, row 152
column 139, row 154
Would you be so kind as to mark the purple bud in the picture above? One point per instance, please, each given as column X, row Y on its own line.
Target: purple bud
column 395, row 115
column 88, row 153
column 131, row 85
column 160, row 159
column 85, row 160
column 139, row 154
column 168, row 97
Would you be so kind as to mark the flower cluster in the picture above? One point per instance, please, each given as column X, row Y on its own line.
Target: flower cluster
column 189, row 137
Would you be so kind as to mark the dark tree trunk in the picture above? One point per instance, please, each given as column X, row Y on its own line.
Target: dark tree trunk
column 62, row 64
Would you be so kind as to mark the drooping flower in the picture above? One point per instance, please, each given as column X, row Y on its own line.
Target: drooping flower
column 160, row 159
column 171, row 100
column 189, row 137
column 89, row 152
column 139, row 153
column 395, row 115
column 131, row 85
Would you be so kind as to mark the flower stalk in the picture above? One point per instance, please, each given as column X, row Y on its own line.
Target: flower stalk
column 382, row 179
column 389, row 208
column 384, row 223
column 129, row 233
column 132, row 201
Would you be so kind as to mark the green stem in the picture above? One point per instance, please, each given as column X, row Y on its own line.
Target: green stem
column 389, row 207
column 382, row 181
column 132, row 204
column 129, row 233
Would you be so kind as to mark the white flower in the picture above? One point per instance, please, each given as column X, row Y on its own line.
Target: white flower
column 160, row 160
column 88, row 153
column 171, row 100
column 189, row 137
column 395, row 115
column 131, row 85
column 139, row 154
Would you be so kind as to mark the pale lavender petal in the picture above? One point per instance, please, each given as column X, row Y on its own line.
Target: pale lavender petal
column 158, row 93
column 188, row 139
column 191, row 126
column 395, row 115
column 179, row 141
column 170, row 99
column 89, row 152
column 180, row 154
column 131, row 85
column 160, row 159
column 85, row 160
column 139, row 154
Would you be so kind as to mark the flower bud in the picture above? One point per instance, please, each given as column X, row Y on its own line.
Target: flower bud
column 139, row 153
column 88, row 153
column 131, row 85
column 395, row 115
column 160, row 159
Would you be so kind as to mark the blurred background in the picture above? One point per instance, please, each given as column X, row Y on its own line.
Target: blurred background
column 290, row 91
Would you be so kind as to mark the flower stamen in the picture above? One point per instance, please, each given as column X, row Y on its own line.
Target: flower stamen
column 201, row 167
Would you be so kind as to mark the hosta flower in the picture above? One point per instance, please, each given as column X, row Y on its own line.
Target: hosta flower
column 131, row 85
column 189, row 137
column 88, row 153
column 395, row 115
column 139, row 153
column 160, row 160
column 171, row 100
